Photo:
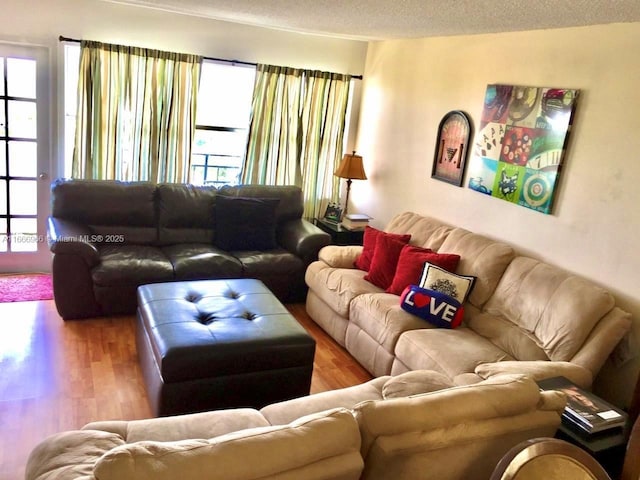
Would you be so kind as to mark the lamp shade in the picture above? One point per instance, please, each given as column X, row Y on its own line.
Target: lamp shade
column 351, row 167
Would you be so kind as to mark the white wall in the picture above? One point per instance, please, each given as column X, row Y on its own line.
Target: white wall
column 43, row 21
column 409, row 85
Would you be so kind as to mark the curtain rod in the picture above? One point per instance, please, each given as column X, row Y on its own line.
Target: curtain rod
column 214, row 59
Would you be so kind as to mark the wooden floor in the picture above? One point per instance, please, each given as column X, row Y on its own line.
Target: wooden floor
column 57, row 375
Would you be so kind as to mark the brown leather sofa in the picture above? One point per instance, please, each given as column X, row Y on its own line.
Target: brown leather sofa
column 109, row 237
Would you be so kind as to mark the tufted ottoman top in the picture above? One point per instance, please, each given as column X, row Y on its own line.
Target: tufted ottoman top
column 206, row 328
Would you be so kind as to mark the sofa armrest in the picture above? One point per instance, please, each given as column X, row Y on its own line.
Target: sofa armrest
column 538, row 370
column 302, row 238
column 71, row 238
column 337, row 256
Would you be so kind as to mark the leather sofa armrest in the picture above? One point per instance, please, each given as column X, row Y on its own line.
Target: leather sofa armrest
column 339, row 256
column 538, row 370
column 72, row 238
column 302, row 238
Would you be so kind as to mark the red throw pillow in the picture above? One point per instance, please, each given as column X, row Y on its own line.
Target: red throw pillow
column 384, row 261
column 411, row 264
column 363, row 262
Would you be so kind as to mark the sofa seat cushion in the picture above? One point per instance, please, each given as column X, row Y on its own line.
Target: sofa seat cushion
column 322, row 446
column 380, row 315
column 256, row 264
column 131, row 265
column 451, row 352
column 193, row 261
column 337, row 286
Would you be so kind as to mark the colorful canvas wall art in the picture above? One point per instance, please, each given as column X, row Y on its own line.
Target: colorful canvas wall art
column 519, row 148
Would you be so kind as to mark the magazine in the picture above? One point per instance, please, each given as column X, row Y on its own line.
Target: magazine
column 584, row 409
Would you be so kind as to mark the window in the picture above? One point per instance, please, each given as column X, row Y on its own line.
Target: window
column 222, row 123
column 18, row 155
column 222, row 119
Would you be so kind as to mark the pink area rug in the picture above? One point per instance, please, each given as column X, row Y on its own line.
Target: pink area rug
column 25, row 287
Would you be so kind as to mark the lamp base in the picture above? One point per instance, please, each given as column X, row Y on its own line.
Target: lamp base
column 346, row 203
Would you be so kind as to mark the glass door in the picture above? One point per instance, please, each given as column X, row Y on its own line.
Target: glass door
column 24, row 158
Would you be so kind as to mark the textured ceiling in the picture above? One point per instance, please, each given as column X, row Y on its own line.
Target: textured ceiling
column 388, row 19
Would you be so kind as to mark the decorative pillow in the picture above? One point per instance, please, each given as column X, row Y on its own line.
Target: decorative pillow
column 411, row 263
column 363, row 262
column 437, row 278
column 435, row 307
column 384, row 261
column 245, row 223
column 415, row 383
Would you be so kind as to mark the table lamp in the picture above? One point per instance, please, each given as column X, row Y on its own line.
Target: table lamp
column 350, row 168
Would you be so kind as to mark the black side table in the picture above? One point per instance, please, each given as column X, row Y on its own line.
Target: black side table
column 607, row 447
column 339, row 234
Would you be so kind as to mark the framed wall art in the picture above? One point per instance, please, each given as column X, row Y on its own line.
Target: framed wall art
column 519, row 148
column 449, row 160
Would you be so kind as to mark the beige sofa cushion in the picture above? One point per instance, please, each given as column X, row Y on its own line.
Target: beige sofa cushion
column 321, row 446
column 70, row 454
column 284, row 412
column 451, row 352
column 426, row 232
column 506, row 335
column 538, row 370
column 414, row 383
column 337, row 286
column 558, row 308
column 380, row 315
column 180, row 427
column 461, row 432
column 480, row 257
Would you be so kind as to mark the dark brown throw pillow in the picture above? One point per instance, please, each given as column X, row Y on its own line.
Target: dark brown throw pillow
column 245, row 223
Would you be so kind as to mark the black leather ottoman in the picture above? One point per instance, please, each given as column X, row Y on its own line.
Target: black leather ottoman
column 214, row 344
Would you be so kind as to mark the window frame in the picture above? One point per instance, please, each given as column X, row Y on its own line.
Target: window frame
column 211, row 175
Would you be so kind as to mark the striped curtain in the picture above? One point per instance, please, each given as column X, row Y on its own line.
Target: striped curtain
column 297, row 131
column 273, row 146
column 323, row 123
column 136, row 113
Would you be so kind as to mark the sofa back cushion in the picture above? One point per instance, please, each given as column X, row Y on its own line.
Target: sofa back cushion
column 460, row 432
column 555, row 308
column 320, row 446
column 480, row 257
column 426, row 232
column 119, row 212
column 185, row 213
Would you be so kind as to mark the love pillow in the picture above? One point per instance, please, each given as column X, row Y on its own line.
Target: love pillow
column 435, row 307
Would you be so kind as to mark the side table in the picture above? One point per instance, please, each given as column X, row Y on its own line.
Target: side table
column 607, row 447
column 339, row 234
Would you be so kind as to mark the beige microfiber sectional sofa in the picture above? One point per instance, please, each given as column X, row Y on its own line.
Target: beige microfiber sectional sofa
column 523, row 315
column 372, row 431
